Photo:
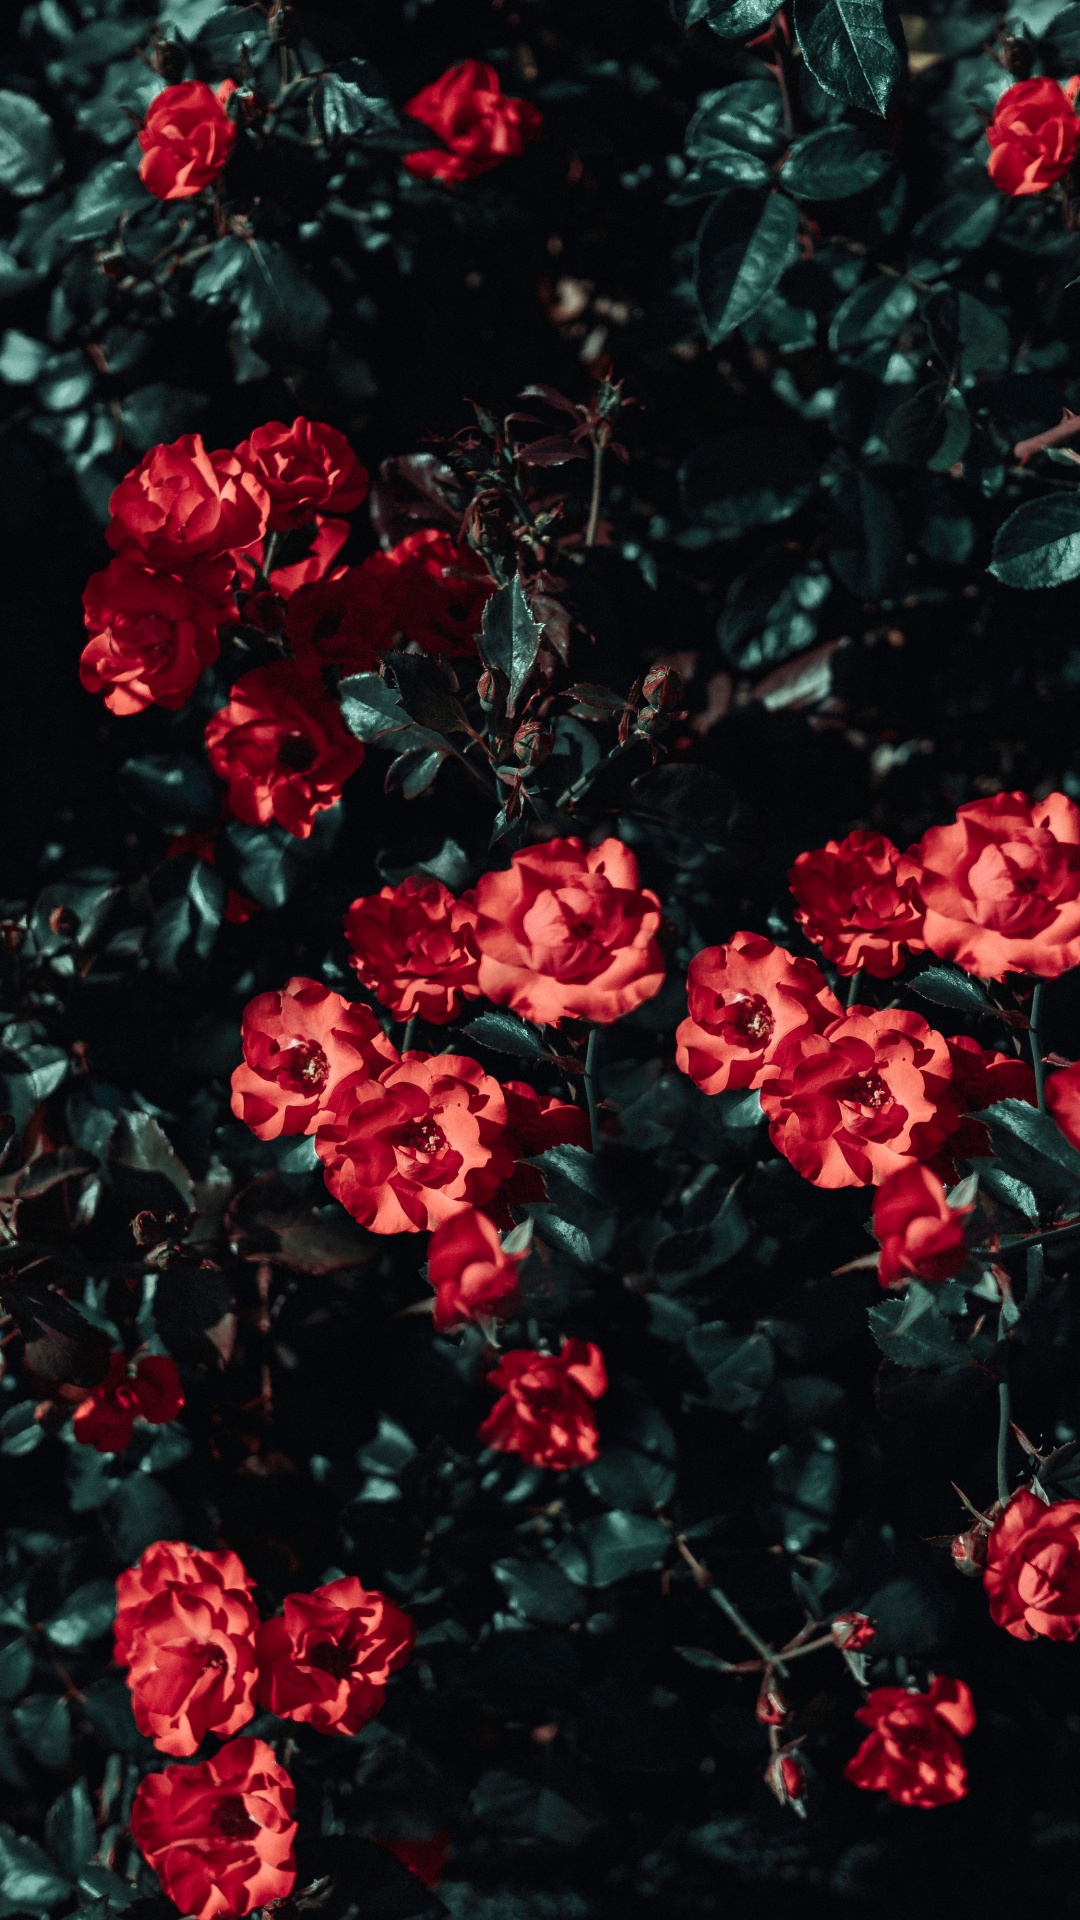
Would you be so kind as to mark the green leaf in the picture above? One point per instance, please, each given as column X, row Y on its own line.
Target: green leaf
column 43, row 1724
column 734, row 18
column 866, row 326
column 370, row 707
column 271, row 864
column 1039, row 544
column 351, row 102
column 972, row 340
column 832, row 164
column 951, row 987
column 69, row 1828
column 16, row 1667
column 743, row 249
column 800, row 1492
column 110, row 191
column 28, row 1878
column 179, row 793
column 85, row 1614
column 1030, row 1146
column 867, row 549
column 735, row 136
column 958, row 224
column 20, row 1431
column 29, row 155
column 699, row 1251
column 510, row 638
column 771, row 612
column 737, row 1367
column 611, row 1547
column 141, row 1512
column 628, row 1478
column 853, row 48
column 507, row 1032
column 912, row 1333
column 107, row 1705
column 931, row 428
column 738, row 480
column 540, row 1591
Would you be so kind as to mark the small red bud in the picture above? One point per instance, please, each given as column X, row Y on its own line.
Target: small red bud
column 969, row 1552
column 785, row 1776
column 532, row 743
column 772, row 1710
column 852, row 1631
column 662, row 688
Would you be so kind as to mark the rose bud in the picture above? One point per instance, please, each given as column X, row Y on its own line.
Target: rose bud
column 969, row 1552
column 662, row 688
column 852, row 1631
column 532, row 743
column 785, row 1776
column 771, row 1710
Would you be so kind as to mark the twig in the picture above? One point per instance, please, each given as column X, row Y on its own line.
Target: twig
column 708, row 1585
column 1035, row 1038
column 590, row 1087
column 1004, row 1420
column 594, row 502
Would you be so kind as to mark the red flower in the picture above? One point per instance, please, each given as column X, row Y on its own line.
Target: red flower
column 191, row 1667
column 151, row 637
column 479, row 124
column 328, row 1657
column 473, row 1276
column 921, row 1236
column 106, row 1418
column 219, row 1835
column 1063, row 1101
column 182, row 506
column 418, row 1145
column 849, row 1106
column 413, row 946
column 283, row 748
column 306, row 468
column 535, row 1122
column 567, row 932
column 299, row 1044
column 858, row 899
column 169, row 1566
column 186, row 139
column 1002, row 886
column 544, row 1413
column 913, row 1752
column 425, row 1858
column 434, row 591
column 342, row 621
column 979, row 1080
column 745, row 999
column 1032, row 1573
column 853, row 1631
column 1033, row 135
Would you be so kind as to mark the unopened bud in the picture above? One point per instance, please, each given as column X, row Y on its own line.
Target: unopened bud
column 969, row 1552
column 852, row 1631
column 485, row 690
column 772, row 1710
column 662, row 688
column 532, row 743
column 785, row 1776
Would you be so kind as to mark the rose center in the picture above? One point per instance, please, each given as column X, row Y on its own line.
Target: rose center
column 306, row 1067
column 423, row 1136
column 749, row 1020
column 331, row 1657
column 867, row 1090
column 231, row 1818
column 296, row 753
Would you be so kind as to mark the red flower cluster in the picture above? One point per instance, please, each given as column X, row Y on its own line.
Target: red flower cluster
column 152, row 1392
column 1033, row 135
column 544, row 1412
column 479, row 125
column 198, row 1657
column 186, row 139
column 1032, row 1569
column 913, row 1751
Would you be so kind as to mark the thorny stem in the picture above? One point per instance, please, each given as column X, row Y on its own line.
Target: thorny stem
column 590, row 1087
column 594, row 502
column 708, row 1585
column 1016, row 1240
column 1035, row 1038
column 1004, row 1417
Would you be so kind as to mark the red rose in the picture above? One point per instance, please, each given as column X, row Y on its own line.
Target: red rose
column 299, row 1044
column 544, row 1413
column 853, row 1632
column 849, row 1106
column 412, row 946
column 306, row 468
column 479, row 124
column 186, row 139
column 341, row 621
column 182, row 506
column 191, row 1666
column 536, row 1122
column 1002, row 886
column 219, row 1835
column 328, row 1657
column 745, row 999
column 913, row 1752
column 858, row 899
column 169, row 1566
column 921, row 1236
column 1032, row 1572
column 567, row 932
column 416, row 1146
column 106, row 1418
column 1063, row 1101
column 979, row 1080
column 473, row 1276
column 283, row 748
column 1033, row 135
column 151, row 637
column 434, row 591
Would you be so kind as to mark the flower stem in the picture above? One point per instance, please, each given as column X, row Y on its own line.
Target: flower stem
column 590, row 1087
column 1035, row 1037
column 1004, row 1416
column 705, row 1581
column 594, row 502
column 409, row 1035
column 854, row 989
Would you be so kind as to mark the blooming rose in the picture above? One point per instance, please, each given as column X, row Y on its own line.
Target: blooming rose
column 473, row 1276
column 169, row 1566
column 341, row 621
column 921, row 1236
column 416, row 1146
column 1002, row 886
column 328, row 1657
column 870, row 1094
column 283, row 748
column 913, row 1752
column 299, row 1044
column 434, row 591
column 858, row 899
column 182, row 506
column 479, row 124
column 745, row 999
column 1063, row 1101
column 186, row 139
column 191, row 1666
column 305, row 468
column 1033, row 135
column 544, row 1413
column 219, row 1835
column 412, row 946
column 106, row 1418
column 979, row 1080
column 1032, row 1573
column 151, row 637
column 566, row 932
